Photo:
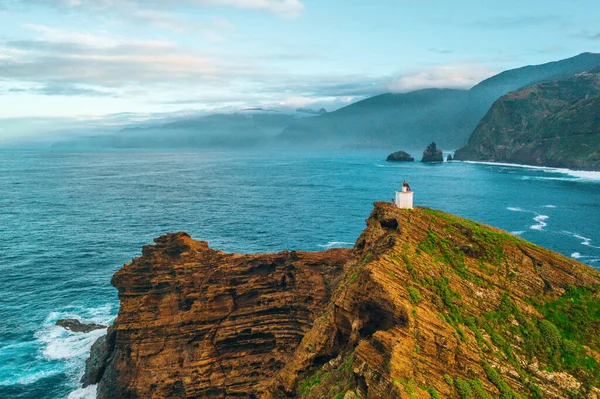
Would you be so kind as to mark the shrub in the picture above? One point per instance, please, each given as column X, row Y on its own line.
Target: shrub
column 414, row 295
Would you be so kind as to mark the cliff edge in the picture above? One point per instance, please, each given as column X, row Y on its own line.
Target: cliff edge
column 426, row 305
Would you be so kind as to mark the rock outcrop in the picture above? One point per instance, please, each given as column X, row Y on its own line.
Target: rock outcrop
column 399, row 156
column 196, row 322
column 426, row 305
column 549, row 124
column 77, row 326
column 449, row 158
column 432, row 154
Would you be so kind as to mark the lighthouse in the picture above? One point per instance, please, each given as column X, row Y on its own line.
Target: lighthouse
column 404, row 198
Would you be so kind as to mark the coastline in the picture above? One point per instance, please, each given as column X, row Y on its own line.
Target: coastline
column 581, row 174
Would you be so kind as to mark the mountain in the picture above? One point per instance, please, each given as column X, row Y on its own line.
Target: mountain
column 548, row 124
column 417, row 118
column 250, row 128
column 426, row 305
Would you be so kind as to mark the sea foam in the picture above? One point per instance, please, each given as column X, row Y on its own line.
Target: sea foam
column 336, row 244
column 540, row 219
column 584, row 240
column 575, row 174
column 71, row 349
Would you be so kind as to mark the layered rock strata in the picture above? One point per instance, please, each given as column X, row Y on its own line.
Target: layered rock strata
column 426, row 305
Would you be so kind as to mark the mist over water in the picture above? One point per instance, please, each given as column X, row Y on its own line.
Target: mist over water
column 69, row 220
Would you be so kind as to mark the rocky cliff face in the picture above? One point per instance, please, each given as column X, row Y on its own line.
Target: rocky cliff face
column 549, row 124
column 196, row 322
column 426, row 305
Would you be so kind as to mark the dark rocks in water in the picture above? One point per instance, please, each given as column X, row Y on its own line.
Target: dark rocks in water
column 449, row 158
column 432, row 154
column 95, row 365
column 399, row 156
column 77, row 326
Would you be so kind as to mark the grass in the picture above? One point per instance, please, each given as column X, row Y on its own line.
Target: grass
column 331, row 384
column 414, row 295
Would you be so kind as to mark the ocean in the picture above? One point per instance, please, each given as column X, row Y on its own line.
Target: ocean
column 70, row 219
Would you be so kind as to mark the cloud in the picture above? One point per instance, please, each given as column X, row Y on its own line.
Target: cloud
column 97, row 59
column 283, row 8
column 585, row 34
column 58, row 89
column 450, row 76
column 212, row 30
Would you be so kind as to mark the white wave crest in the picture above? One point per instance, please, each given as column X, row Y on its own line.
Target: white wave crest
column 584, row 240
column 575, row 255
column 88, row 392
column 540, row 219
column 61, row 344
column 575, row 174
column 30, row 377
column 336, row 244
column 69, row 348
column 549, row 206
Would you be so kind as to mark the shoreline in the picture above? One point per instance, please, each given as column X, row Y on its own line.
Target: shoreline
column 581, row 174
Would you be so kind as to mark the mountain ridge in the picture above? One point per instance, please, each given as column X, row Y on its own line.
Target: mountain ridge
column 410, row 120
column 446, row 116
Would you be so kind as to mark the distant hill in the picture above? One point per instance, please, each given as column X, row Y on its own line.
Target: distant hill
column 548, row 124
column 417, row 118
column 239, row 130
column 405, row 120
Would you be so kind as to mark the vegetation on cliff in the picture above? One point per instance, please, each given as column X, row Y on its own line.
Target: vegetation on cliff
column 426, row 305
column 549, row 124
column 441, row 306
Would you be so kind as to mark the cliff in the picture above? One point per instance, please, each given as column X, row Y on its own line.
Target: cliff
column 426, row 305
column 196, row 322
column 549, row 124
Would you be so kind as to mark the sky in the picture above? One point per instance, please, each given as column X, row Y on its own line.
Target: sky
column 109, row 62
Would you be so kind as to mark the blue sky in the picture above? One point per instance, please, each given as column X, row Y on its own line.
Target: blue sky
column 113, row 61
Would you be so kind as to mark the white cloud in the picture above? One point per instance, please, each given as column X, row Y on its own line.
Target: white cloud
column 284, row 8
column 89, row 39
column 449, row 76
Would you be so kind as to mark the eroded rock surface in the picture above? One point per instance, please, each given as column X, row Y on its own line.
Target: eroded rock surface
column 196, row 322
column 426, row 305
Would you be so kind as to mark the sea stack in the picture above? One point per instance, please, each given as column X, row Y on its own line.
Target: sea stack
column 399, row 156
column 432, row 154
column 449, row 158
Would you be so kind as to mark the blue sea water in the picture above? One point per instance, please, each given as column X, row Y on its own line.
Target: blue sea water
column 69, row 220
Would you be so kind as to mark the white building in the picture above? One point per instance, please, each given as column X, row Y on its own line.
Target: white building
column 404, row 198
